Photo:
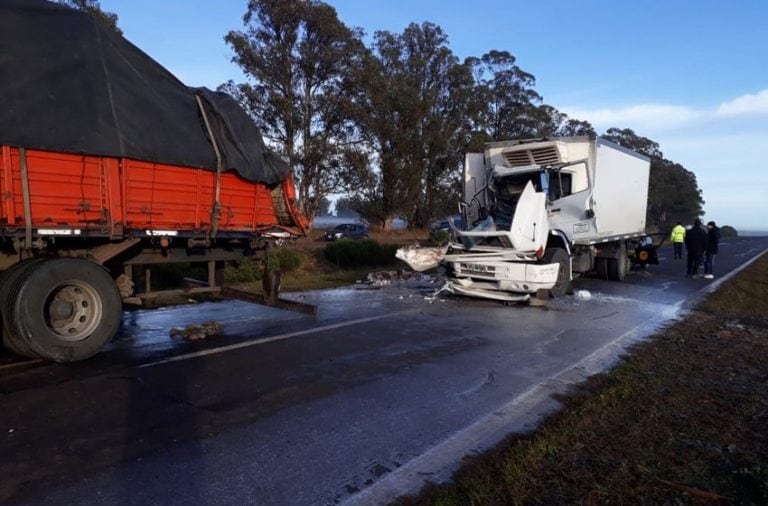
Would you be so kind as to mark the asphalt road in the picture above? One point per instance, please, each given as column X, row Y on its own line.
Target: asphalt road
column 382, row 390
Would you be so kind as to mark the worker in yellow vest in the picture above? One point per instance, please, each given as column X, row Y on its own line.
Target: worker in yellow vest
column 678, row 238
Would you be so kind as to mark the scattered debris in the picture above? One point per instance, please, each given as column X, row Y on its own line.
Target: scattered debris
column 421, row 259
column 539, row 299
column 582, row 294
column 384, row 278
column 195, row 332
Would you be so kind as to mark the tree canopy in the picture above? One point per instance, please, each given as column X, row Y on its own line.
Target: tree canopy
column 93, row 8
column 298, row 58
column 387, row 123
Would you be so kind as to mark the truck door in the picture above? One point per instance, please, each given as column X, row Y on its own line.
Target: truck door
column 474, row 194
column 529, row 228
column 568, row 194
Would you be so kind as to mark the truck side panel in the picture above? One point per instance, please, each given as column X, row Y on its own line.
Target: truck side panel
column 65, row 190
column 108, row 196
column 620, row 191
column 161, row 196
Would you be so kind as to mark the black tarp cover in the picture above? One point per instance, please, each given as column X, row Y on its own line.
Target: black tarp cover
column 69, row 83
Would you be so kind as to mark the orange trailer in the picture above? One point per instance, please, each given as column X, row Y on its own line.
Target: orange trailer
column 80, row 195
column 73, row 227
column 109, row 163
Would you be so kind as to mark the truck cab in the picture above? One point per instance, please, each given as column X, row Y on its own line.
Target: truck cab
column 540, row 211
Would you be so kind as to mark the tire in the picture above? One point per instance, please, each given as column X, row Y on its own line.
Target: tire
column 66, row 309
column 601, row 267
column 8, row 278
column 618, row 267
column 559, row 256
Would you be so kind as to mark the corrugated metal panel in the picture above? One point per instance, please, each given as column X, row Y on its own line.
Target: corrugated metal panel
column 545, row 156
column 518, row 158
column 540, row 156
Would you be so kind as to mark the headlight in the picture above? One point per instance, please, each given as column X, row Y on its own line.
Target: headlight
column 338, row 235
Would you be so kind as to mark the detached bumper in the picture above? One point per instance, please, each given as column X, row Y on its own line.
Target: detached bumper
column 501, row 280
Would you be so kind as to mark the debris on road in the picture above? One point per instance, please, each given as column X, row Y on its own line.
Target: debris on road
column 582, row 294
column 196, row 332
column 421, row 259
column 384, row 278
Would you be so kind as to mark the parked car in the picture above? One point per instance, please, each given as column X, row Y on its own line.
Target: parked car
column 444, row 225
column 347, row 231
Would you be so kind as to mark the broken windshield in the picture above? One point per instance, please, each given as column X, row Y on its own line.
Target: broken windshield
column 507, row 190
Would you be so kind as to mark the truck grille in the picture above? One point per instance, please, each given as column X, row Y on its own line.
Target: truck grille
column 539, row 156
column 478, row 270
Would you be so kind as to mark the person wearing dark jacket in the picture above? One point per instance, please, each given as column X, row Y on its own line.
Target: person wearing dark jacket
column 713, row 241
column 696, row 245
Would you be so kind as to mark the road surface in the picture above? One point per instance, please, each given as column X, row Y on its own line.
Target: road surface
column 382, row 390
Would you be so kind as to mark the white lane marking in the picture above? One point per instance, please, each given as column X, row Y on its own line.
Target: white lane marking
column 19, row 364
column 222, row 349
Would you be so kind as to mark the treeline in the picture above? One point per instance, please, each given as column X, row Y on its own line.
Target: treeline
column 386, row 120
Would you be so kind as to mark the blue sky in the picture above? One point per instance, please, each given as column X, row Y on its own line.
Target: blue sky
column 691, row 75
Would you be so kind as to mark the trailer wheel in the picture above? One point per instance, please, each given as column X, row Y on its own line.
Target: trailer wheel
column 66, row 309
column 559, row 256
column 8, row 278
column 618, row 267
column 601, row 267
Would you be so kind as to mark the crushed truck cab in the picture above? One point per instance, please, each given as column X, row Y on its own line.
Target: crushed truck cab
column 542, row 212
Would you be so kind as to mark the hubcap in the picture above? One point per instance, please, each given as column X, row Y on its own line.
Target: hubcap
column 73, row 310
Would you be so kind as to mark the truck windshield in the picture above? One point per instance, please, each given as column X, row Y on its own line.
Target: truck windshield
column 507, row 191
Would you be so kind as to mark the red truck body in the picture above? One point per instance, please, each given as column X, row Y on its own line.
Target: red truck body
column 102, row 196
column 110, row 167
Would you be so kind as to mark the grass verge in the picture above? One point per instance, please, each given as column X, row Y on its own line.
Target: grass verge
column 683, row 420
column 330, row 265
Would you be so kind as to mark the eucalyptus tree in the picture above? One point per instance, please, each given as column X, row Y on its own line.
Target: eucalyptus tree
column 93, row 8
column 297, row 57
column 413, row 106
column 505, row 102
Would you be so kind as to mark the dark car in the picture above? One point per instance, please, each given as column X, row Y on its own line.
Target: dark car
column 347, row 231
column 444, row 225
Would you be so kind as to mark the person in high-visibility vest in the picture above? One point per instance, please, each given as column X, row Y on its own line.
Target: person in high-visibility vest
column 678, row 238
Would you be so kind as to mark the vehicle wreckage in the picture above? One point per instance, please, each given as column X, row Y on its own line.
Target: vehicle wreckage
column 542, row 211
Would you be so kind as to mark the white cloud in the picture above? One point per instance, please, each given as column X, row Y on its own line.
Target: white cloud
column 641, row 117
column 654, row 118
column 745, row 104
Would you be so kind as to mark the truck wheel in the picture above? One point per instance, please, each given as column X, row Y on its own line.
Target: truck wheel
column 66, row 309
column 601, row 267
column 619, row 265
column 8, row 278
column 617, row 268
column 559, row 256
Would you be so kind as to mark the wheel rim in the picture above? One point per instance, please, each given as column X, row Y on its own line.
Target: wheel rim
column 73, row 310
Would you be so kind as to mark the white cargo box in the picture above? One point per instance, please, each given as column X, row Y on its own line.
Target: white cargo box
column 607, row 184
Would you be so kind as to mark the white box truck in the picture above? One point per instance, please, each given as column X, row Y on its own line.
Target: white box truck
column 541, row 212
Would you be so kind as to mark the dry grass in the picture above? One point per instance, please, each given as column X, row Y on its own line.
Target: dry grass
column 684, row 420
column 316, row 273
